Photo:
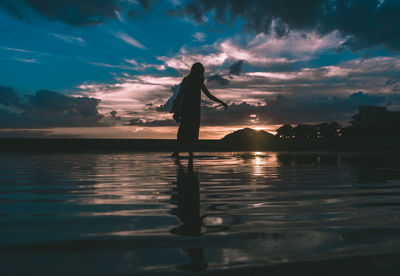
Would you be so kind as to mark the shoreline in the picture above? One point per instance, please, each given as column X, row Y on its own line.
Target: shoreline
column 169, row 145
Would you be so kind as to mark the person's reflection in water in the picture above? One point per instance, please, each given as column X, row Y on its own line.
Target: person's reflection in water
column 186, row 196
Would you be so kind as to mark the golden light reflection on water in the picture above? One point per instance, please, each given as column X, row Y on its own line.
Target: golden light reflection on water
column 264, row 164
column 146, row 180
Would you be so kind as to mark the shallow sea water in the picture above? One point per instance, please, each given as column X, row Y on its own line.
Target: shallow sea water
column 247, row 212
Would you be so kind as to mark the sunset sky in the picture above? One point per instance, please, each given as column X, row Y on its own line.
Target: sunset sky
column 107, row 68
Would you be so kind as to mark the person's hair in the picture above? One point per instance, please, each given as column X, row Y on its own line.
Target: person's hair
column 197, row 69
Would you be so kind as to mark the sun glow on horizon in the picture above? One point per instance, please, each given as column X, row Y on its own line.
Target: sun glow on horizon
column 258, row 128
column 130, row 132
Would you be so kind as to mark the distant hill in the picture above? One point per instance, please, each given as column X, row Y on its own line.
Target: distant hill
column 250, row 138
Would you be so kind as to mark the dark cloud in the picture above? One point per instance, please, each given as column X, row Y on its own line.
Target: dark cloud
column 393, row 84
column 154, row 123
column 9, row 97
column 218, row 79
column 236, row 68
column 283, row 109
column 146, row 4
column 72, row 12
column 311, row 109
column 318, row 109
column 236, row 114
column 46, row 109
column 110, row 119
column 364, row 23
column 113, row 114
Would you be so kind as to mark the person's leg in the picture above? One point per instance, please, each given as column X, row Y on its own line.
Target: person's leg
column 195, row 136
column 189, row 148
column 180, row 139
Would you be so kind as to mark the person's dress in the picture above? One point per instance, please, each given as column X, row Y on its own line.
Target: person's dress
column 190, row 91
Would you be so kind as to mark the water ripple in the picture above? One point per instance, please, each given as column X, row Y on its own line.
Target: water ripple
column 143, row 212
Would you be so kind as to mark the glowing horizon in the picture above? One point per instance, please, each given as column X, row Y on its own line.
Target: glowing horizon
column 128, row 132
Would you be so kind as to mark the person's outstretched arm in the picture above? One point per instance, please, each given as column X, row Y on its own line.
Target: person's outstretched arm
column 212, row 97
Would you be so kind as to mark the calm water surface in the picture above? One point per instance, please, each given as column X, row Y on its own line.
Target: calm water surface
column 144, row 213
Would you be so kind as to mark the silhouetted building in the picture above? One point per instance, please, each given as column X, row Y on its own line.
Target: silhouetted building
column 375, row 116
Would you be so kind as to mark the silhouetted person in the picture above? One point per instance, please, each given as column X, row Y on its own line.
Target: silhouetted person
column 186, row 108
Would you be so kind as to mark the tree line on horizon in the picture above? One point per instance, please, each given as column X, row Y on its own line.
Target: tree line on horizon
column 333, row 130
column 310, row 132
